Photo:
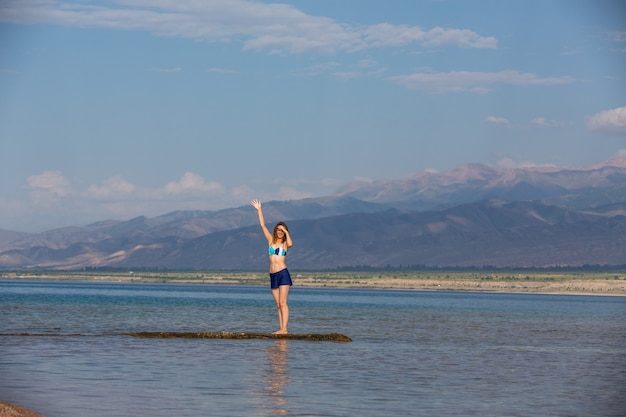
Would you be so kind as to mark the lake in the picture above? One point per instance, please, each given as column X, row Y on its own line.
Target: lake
column 420, row 353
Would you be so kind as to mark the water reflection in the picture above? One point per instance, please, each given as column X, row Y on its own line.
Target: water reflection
column 276, row 376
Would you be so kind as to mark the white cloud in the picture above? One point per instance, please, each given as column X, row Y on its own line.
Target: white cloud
column 618, row 36
column 243, row 193
column 279, row 28
column 385, row 34
column 330, row 182
column 52, row 182
column 48, row 190
column 609, row 121
column 497, row 120
column 510, row 163
column 289, row 193
column 190, row 183
column 507, row 163
column 55, row 201
column 537, row 122
column 460, row 37
column 114, row 187
column 474, row 82
column 543, row 122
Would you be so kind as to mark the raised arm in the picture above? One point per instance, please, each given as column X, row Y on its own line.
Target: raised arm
column 257, row 205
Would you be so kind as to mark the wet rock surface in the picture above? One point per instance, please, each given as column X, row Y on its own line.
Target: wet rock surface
column 330, row 337
column 10, row 410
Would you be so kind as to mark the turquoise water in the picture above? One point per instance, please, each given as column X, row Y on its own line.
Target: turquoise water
column 413, row 352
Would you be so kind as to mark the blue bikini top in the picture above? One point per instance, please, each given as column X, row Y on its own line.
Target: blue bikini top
column 280, row 251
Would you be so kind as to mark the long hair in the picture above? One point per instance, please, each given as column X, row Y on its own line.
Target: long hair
column 275, row 237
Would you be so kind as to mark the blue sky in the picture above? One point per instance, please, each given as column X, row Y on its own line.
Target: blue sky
column 114, row 109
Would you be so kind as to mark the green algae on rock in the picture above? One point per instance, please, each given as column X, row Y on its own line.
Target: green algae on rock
column 330, row 337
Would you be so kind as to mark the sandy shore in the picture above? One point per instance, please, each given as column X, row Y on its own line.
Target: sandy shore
column 595, row 286
column 536, row 282
column 455, row 282
column 10, row 410
column 590, row 287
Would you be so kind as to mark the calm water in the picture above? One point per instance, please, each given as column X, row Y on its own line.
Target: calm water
column 414, row 353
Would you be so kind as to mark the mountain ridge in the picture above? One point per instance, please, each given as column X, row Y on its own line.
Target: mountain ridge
column 473, row 182
column 519, row 234
column 470, row 215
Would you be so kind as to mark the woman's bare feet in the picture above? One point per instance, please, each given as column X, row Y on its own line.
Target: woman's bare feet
column 280, row 332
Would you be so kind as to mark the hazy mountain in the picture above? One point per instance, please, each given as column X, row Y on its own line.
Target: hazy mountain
column 10, row 236
column 583, row 187
column 485, row 233
column 459, row 217
column 185, row 224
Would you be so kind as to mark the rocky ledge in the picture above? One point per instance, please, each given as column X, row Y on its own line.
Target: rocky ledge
column 331, row 337
column 10, row 410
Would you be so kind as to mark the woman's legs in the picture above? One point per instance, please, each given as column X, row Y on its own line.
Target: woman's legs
column 280, row 297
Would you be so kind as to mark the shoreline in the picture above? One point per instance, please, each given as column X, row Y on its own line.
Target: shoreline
column 606, row 284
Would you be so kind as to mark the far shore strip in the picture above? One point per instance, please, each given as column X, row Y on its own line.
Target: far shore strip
column 578, row 286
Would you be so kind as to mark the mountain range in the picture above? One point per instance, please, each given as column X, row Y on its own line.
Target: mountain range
column 470, row 216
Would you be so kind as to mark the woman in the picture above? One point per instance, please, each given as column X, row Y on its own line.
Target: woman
column 280, row 280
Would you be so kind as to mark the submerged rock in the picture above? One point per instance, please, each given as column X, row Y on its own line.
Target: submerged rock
column 10, row 410
column 330, row 337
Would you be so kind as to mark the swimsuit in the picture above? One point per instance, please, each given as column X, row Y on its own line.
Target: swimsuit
column 279, row 278
column 280, row 251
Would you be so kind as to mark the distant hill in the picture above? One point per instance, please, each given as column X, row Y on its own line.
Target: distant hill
column 472, row 215
column 591, row 186
column 491, row 233
column 185, row 224
column 11, row 236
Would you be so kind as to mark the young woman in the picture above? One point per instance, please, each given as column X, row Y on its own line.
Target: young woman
column 280, row 280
